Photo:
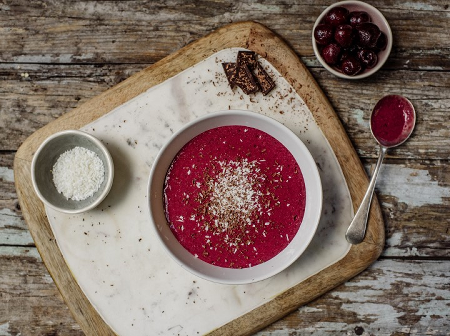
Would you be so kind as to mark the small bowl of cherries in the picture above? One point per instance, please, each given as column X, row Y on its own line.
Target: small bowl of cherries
column 352, row 39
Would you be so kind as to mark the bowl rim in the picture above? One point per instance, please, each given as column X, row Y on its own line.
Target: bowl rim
column 109, row 180
column 370, row 71
column 309, row 235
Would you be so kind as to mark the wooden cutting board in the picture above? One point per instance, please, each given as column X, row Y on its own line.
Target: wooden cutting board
column 248, row 35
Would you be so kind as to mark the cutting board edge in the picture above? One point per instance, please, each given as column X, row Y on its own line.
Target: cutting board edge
column 250, row 35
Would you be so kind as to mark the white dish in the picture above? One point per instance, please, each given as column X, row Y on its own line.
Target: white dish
column 312, row 210
column 377, row 18
column 46, row 156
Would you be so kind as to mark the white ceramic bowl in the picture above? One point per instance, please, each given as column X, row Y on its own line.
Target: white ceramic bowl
column 47, row 155
column 376, row 17
column 298, row 243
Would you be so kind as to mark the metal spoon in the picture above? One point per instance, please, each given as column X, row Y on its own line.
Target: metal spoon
column 357, row 230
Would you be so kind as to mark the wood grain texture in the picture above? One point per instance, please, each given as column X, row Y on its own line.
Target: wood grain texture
column 30, row 103
column 137, row 32
column 263, row 41
column 415, row 301
column 27, row 293
column 54, row 56
column 391, row 297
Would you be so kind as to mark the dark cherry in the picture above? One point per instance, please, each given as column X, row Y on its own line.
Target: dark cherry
column 368, row 34
column 351, row 66
column 367, row 57
column 382, row 42
column 331, row 53
column 345, row 54
column 337, row 16
column 323, row 34
column 356, row 18
column 344, row 35
column 352, row 48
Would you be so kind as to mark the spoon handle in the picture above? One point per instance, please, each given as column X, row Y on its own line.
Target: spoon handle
column 357, row 229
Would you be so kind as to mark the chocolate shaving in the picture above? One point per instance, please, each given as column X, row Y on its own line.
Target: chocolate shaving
column 265, row 82
column 248, row 58
column 231, row 73
column 245, row 80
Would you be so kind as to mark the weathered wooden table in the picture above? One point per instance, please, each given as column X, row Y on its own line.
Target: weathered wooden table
column 56, row 55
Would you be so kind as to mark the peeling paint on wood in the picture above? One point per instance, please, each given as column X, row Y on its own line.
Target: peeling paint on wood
column 6, row 174
column 390, row 298
column 414, row 187
column 57, row 55
column 30, row 303
column 13, row 229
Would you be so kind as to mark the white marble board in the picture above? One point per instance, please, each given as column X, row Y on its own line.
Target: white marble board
column 112, row 251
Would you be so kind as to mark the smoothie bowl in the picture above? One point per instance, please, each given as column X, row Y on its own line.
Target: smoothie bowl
column 235, row 197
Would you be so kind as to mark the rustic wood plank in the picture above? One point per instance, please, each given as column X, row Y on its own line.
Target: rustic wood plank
column 7, row 176
column 31, row 96
column 48, row 91
column 13, row 229
column 429, row 91
column 390, row 297
column 415, row 199
column 30, row 303
column 136, row 32
column 130, row 35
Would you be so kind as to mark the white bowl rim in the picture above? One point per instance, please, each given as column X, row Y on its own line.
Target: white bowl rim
column 109, row 181
column 379, row 64
column 242, row 280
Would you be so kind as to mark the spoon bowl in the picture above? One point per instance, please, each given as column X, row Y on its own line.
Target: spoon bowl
column 392, row 129
column 391, row 123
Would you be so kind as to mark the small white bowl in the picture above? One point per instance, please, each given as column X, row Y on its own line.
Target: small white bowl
column 47, row 155
column 228, row 275
column 377, row 18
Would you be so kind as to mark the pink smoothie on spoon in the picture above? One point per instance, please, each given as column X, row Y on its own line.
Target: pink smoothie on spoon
column 392, row 120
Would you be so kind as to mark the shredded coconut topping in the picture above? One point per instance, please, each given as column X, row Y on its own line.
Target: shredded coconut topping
column 233, row 193
column 78, row 173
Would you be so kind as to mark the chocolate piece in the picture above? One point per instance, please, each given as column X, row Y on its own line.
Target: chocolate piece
column 231, row 73
column 265, row 82
column 245, row 79
column 248, row 58
column 248, row 74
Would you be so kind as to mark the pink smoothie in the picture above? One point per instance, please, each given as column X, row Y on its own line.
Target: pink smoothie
column 392, row 120
column 234, row 196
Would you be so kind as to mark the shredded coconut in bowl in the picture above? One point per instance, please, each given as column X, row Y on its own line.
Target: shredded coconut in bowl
column 78, row 173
